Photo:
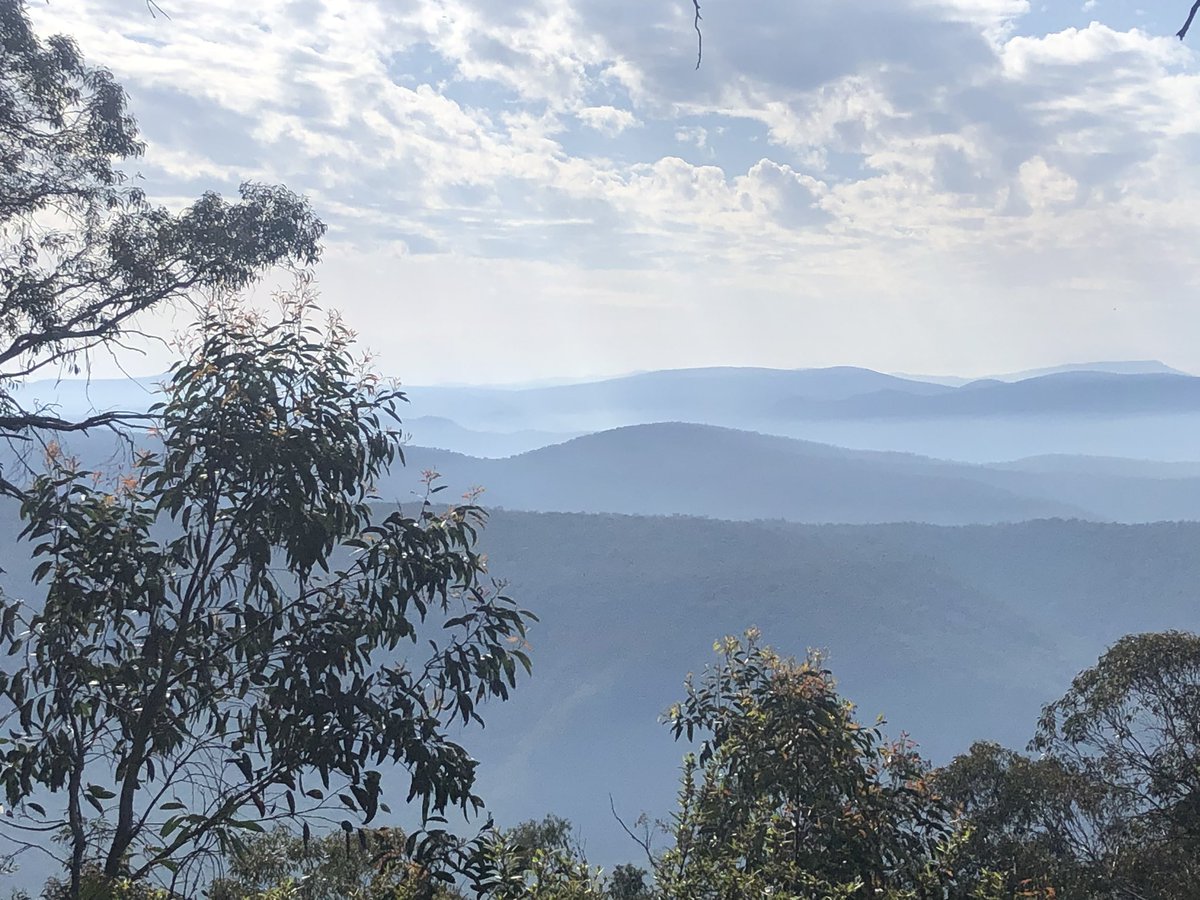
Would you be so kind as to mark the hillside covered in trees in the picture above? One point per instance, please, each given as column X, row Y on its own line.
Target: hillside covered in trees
column 628, row 605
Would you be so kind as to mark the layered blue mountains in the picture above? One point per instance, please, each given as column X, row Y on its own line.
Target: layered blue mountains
column 1005, row 530
column 1140, row 409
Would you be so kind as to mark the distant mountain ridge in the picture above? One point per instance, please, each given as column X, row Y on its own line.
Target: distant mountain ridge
column 1116, row 367
column 1113, row 367
column 712, row 395
column 688, row 469
column 675, row 391
column 1147, row 411
column 1078, row 393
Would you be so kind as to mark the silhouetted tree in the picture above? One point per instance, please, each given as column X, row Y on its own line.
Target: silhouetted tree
column 221, row 642
column 83, row 253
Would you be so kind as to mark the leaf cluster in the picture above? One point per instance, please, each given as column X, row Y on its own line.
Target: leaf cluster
column 788, row 793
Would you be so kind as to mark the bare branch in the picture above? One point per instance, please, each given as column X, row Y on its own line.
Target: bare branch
column 643, row 842
column 1182, row 33
column 54, row 423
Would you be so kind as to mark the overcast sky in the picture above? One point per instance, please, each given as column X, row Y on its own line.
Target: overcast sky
column 538, row 188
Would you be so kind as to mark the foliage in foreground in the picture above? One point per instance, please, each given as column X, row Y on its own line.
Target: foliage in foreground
column 1110, row 806
column 789, row 796
column 281, row 864
column 229, row 636
column 83, row 253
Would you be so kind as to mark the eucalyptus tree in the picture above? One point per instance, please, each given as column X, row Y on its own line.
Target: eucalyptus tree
column 1108, row 805
column 232, row 634
column 83, row 252
column 280, row 863
column 790, row 796
column 1038, row 824
column 1131, row 726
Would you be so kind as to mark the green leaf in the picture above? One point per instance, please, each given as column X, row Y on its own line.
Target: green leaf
column 170, row 825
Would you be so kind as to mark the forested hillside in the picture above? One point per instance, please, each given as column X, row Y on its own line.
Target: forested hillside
column 677, row 468
column 628, row 605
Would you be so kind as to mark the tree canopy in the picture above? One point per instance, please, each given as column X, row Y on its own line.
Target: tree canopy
column 1108, row 806
column 82, row 251
column 789, row 796
column 222, row 638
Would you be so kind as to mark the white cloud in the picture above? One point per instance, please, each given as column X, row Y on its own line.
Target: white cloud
column 890, row 153
column 607, row 119
column 692, row 134
column 1044, row 186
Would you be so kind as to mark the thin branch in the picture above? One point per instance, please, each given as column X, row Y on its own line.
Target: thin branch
column 54, row 423
column 1182, row 33
column 700, row 34
column 644, row 843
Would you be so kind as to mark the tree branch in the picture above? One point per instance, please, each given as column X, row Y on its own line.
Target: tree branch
column 644, row 843
column 1182, row 33
column 54, row 423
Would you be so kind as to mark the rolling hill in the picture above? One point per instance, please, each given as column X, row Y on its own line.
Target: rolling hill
column 702, row 470
column 674, row 468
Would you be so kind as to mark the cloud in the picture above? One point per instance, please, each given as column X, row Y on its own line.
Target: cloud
column 692, row 134
column 948, row 148
column 607, row 119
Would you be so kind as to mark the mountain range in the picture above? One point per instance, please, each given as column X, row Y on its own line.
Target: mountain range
column 673, row 468
column 744, row 397
column 642, row 518
column 1132, row 409
column 702, row 470
column 1118, row 367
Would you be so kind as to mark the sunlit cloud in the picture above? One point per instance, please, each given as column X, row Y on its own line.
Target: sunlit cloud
column 928, row 165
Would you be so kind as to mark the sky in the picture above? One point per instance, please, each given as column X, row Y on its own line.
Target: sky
column 538, row 189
